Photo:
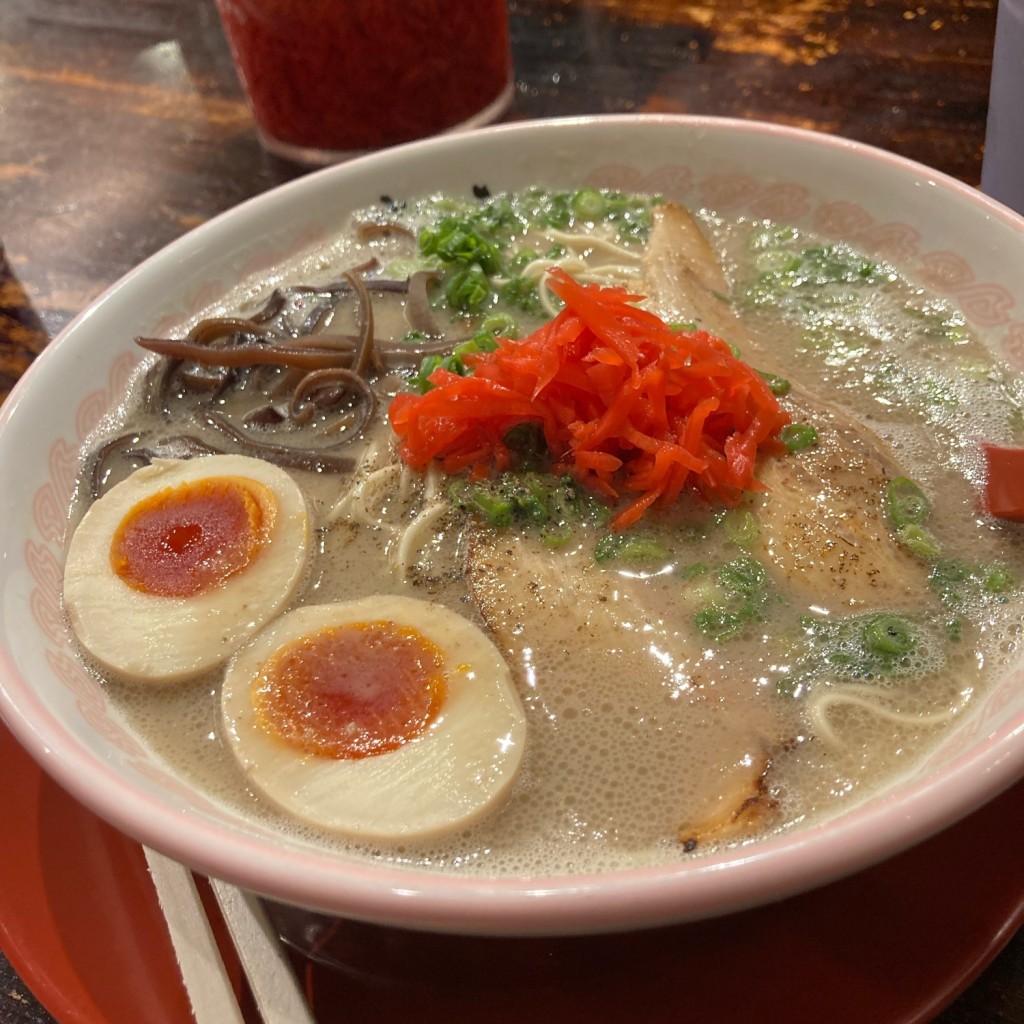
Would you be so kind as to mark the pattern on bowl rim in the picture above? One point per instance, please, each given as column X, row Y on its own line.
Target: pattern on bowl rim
column 988, row 305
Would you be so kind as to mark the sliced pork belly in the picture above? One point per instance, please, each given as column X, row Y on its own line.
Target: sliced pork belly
column 699, row 732
column 824, row 530
column 684, row 282
column 823, row 525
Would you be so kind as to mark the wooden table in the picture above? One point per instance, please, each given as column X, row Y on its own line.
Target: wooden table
column 122, row 126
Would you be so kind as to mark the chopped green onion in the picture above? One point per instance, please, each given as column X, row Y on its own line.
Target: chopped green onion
column 521, row 260
column 558, row 210
column 956, row 581
column 531, row 499
column 400, row 269
column 996, row 579
column 718, row 623
column 948, row 571
column 798, row 436
column 589, row 204
column 522, row 293
column 691, row 572
column 905, row 502
column 501, row 325
column 456, row 241
column 744, row 576
column 496, row 510
column 555, row 535
column 421, row 379
column 887, row 636
column 412, row 337
column 570, row 502
column 860, row 647
column 467, row 289
column 629, row 548
column 919, row 541
column 737, row 597
column 482, row 341
column 777, row 385
column 741, row 526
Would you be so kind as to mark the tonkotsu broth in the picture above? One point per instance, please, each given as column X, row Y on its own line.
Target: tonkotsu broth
column 630, row 713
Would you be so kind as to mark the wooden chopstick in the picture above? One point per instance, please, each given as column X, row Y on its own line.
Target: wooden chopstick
column 271, row 978
column 211, row 994
column 206, row 979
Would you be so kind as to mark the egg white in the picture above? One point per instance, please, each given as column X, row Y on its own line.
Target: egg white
column 458, row 769
column 155, row 638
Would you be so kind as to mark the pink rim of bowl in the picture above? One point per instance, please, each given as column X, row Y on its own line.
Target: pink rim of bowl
column 946, row 234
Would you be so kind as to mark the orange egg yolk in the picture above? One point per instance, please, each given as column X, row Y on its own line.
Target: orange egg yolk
column 188, row 539
column 351, row 691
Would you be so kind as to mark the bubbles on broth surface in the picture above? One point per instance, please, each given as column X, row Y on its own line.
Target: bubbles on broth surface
column 615, row 763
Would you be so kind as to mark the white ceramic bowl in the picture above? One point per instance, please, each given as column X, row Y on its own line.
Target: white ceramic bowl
column 944, row 233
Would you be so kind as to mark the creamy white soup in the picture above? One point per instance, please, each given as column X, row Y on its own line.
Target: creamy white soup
column 710, row 675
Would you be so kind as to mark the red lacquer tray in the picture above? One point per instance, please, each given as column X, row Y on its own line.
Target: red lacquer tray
column 891, row 945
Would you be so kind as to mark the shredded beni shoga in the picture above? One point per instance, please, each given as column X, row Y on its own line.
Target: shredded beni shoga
column 629, row 405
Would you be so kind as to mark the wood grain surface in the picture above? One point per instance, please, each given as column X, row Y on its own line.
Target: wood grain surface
column 122, row 126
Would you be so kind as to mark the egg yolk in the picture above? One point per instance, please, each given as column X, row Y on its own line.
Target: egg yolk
column 188, row 539
column 351, row 691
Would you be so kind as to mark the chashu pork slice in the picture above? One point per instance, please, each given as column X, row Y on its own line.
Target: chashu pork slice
column 824, row 530
column 701, row 734
column 823, row 524
column 684, row 282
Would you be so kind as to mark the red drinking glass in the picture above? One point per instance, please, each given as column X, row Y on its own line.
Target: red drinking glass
column 329, row 78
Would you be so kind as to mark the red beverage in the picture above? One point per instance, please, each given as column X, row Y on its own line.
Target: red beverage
column 330, row 77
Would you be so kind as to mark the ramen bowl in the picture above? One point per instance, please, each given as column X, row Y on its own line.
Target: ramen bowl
column 964, row 247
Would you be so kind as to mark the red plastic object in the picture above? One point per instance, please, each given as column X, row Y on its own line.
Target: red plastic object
column 1004, row 488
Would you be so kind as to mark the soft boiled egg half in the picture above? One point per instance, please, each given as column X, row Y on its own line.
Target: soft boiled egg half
column 182, row 562
column 381, row 718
